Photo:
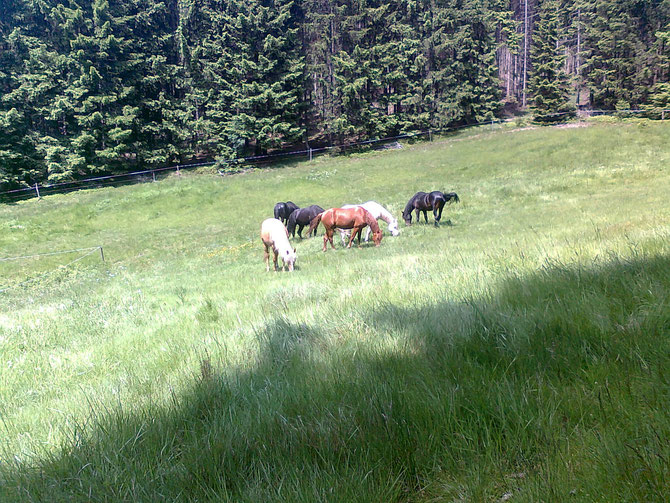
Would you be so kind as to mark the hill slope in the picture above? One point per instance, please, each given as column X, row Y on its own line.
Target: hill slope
column 521, row 351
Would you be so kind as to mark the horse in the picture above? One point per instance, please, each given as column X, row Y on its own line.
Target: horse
column 377, row 211
column 283, row 210
column 302, row 217
column 423, row 202
column 275, row 236
column 346, row 218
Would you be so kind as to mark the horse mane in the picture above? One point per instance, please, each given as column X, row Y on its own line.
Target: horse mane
column 384, row 214
column 371, row 221
column 410, row 205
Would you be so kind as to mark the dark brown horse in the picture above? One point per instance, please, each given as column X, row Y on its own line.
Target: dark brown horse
column 283, row 210
column 422, row 202
column 301, row 218
column 350, row 218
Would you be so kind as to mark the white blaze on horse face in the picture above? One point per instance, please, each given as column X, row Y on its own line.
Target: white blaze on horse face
column 289, row 258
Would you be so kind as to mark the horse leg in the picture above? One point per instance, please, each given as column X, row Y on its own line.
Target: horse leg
column 330, row 238
column 368, row 230
column 275, row 260
column 353, row 236
column 343, row 234
column 300, row 230
column 425, row 215
column 267, row 258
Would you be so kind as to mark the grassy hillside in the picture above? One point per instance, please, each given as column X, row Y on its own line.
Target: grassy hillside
column 520, row 353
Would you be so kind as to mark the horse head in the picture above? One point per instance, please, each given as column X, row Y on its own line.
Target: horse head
column 377, row 236
column 451, row 197
column 291, row 223
column 289, row 257
column 393, row 228
column 407, row 213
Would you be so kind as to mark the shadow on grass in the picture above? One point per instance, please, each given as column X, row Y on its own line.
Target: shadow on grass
column 555, row 385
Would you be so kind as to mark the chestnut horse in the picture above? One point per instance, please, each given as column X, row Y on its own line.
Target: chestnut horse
column 275, row 236
column 422, row 202
column 347, row 218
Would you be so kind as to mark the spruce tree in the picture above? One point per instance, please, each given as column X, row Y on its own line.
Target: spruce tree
column 268, row 75
column 548, row 85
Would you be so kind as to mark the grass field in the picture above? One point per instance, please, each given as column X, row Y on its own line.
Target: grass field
column 521, row 353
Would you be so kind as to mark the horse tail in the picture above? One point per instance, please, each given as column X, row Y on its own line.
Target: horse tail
column 314, row 223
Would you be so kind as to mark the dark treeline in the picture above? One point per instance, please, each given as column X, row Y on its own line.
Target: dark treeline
column 99, row 87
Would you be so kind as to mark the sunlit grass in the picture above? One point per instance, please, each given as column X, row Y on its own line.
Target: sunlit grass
column 520, row 350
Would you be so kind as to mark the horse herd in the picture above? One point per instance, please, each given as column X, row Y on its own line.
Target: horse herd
column 350, row 219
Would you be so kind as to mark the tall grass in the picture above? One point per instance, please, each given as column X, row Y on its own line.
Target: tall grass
column 520, row 353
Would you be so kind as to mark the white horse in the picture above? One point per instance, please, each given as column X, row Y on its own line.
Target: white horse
column 274, row 235
column 378, row 212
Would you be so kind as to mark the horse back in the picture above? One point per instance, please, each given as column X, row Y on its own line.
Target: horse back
column 273, row 233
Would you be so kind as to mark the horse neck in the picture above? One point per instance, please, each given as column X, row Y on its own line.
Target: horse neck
column 410, row 206
column 282, row 244
column 383, row 213
column 372, row 222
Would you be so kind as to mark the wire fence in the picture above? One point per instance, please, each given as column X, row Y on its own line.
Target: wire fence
column 89, row 251
column 133, row 177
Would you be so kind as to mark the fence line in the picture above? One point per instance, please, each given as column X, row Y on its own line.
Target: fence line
column 89, row 251
column 101, row 180
column 21, row 257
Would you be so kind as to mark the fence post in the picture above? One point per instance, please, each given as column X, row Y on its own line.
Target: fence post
column 310, row 153
column 662, row 115
column 430, row 135
column 153, row 174
column 37, row 189
column 178, row 172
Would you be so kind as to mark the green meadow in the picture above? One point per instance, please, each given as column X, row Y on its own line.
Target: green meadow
column 519, row 352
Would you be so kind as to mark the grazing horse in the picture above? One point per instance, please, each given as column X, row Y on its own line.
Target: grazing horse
column 301, row 218
column 346, row 218
column 275, row 236
column 423, row 202
column 377, row 211
column 284, row 210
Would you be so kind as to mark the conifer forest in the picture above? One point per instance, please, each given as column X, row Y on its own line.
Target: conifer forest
column 95, row 87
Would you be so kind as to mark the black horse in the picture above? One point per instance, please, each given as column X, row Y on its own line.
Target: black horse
column 423, row 202
column 301, row 218
column 284, row 210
